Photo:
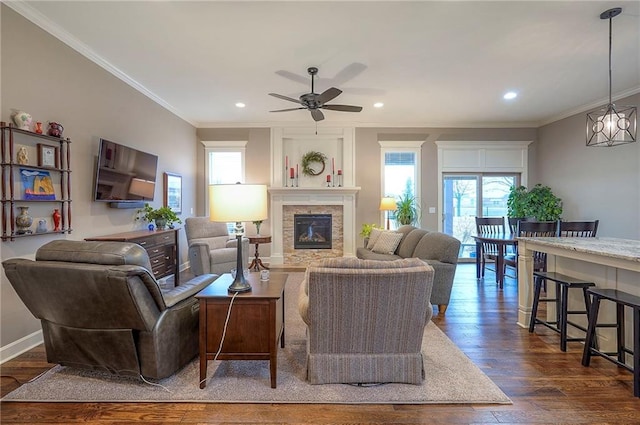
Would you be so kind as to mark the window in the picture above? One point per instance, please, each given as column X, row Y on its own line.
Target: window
column 224, row 164
column 400, row 171
column 466, row 196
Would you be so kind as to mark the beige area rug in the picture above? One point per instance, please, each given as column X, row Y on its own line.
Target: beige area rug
column 451, row 377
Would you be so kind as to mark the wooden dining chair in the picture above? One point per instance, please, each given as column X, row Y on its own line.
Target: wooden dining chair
column 578, row 229
column 489, row 226
column 533, row 229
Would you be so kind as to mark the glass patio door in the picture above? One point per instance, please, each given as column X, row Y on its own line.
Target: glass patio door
column 466, row 196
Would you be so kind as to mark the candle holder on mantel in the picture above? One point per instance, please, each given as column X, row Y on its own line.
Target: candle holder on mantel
column 339, row 178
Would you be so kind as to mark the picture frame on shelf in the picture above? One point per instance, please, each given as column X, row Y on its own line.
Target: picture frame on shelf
column 48, row 156
column 173, row 192
column 37, row 185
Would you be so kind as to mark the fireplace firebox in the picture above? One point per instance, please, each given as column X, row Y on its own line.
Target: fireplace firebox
column 312, row 231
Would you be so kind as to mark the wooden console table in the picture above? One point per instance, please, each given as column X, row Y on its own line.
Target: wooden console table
column 256, row 322
column 161, row 245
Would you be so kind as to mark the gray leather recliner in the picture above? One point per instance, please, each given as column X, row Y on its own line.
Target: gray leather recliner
column 101, row 308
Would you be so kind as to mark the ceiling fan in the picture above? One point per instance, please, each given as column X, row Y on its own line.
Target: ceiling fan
column 314, row 101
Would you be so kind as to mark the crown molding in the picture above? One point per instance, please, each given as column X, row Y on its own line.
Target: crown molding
column 37, row 18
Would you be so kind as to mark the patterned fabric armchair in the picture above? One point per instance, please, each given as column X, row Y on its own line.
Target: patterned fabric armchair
column 365, row 320
column 101, row 308
column 211, row 249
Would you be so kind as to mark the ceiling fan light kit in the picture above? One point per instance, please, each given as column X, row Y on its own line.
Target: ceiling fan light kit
column 314, row 102
column 611, row 125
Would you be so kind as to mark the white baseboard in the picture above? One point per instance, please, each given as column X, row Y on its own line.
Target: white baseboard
column 20, row 346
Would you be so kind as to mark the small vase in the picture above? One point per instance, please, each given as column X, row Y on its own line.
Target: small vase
column 22, row 119
column 24, row 221
column 38, row 128
column 56, row 220
column 161, row 223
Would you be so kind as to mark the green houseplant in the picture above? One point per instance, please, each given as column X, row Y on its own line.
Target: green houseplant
column 517, row 202
column 365, row 232
column 407, row 209
column 162, row 216
column 543, row 204
column 538, row 203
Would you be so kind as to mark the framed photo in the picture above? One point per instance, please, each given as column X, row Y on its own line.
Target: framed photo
column 173, row 192
column 48, row 156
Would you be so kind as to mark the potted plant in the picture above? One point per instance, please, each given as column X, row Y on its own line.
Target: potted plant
column 162, row 216
column 365, row 232
column 407, row 210
column 543, row 204
column 539, row 203
column 516, row 202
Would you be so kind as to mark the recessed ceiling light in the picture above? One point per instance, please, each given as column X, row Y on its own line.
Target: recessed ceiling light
column 378, row 105
column 240, row 105
column 510, row 95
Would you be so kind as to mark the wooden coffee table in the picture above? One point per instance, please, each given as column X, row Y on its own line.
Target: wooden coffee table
column 255, row 325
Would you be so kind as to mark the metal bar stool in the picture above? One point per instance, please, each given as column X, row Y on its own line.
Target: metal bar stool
column 563, row 284
column 622, row 300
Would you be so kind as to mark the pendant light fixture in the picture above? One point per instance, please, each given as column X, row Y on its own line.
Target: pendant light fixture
column 611, row 126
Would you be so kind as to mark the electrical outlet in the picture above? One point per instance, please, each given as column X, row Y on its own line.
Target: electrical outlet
column 432, row 210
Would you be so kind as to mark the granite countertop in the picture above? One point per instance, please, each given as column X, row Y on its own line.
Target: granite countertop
column 625, row 249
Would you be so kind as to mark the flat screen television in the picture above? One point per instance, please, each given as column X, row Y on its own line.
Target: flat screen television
column 125, row 177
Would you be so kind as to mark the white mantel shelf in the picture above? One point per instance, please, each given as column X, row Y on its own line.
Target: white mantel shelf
column 314, row 190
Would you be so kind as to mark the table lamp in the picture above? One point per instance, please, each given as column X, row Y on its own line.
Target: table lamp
column 238, row 203
column 388, row 204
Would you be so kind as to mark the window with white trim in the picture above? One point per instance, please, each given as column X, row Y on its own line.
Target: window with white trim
column 224, row 164
column 400, row 162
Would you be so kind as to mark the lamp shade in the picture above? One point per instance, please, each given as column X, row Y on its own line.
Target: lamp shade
column 388, row 204
column 237, row 202
column 142, row 188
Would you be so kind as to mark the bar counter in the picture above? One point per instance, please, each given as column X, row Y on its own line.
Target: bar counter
column 607, row 262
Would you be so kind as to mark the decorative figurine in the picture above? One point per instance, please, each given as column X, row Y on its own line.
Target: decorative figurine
column 42, row 226
column 23, row 157
column 38, row 128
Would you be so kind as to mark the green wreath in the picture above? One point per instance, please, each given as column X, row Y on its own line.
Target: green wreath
column 311, row 158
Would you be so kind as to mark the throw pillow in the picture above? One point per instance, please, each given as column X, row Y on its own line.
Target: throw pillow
column 387, row 242
column 373, row 237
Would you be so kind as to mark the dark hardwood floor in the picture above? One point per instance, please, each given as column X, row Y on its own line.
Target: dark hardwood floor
column 546, row 385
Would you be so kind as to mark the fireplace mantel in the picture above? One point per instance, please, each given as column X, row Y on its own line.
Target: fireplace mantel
column 299, row 196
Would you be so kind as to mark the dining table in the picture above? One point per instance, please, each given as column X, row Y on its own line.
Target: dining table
column 502, row 240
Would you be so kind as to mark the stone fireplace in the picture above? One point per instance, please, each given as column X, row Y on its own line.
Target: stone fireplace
column 311, row 195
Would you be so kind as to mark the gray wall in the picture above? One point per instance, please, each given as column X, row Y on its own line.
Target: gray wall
column 52, row 82
column 594, row 182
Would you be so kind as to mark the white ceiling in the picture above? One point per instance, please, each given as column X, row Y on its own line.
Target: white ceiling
column 431, row 63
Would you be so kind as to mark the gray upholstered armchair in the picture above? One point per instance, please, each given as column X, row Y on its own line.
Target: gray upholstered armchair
column 101, row 308
column 211, row 249
column 365, row 320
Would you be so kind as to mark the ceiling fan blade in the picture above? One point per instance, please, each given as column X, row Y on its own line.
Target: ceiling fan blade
column 289, row 109
column 349, row 72
column 329, row 94
column 343, row 108
column 317, row 114
column 279, row 96
column 293, row 77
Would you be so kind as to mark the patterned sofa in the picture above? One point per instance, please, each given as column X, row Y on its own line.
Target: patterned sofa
column 365, row 320
column 439, row 250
